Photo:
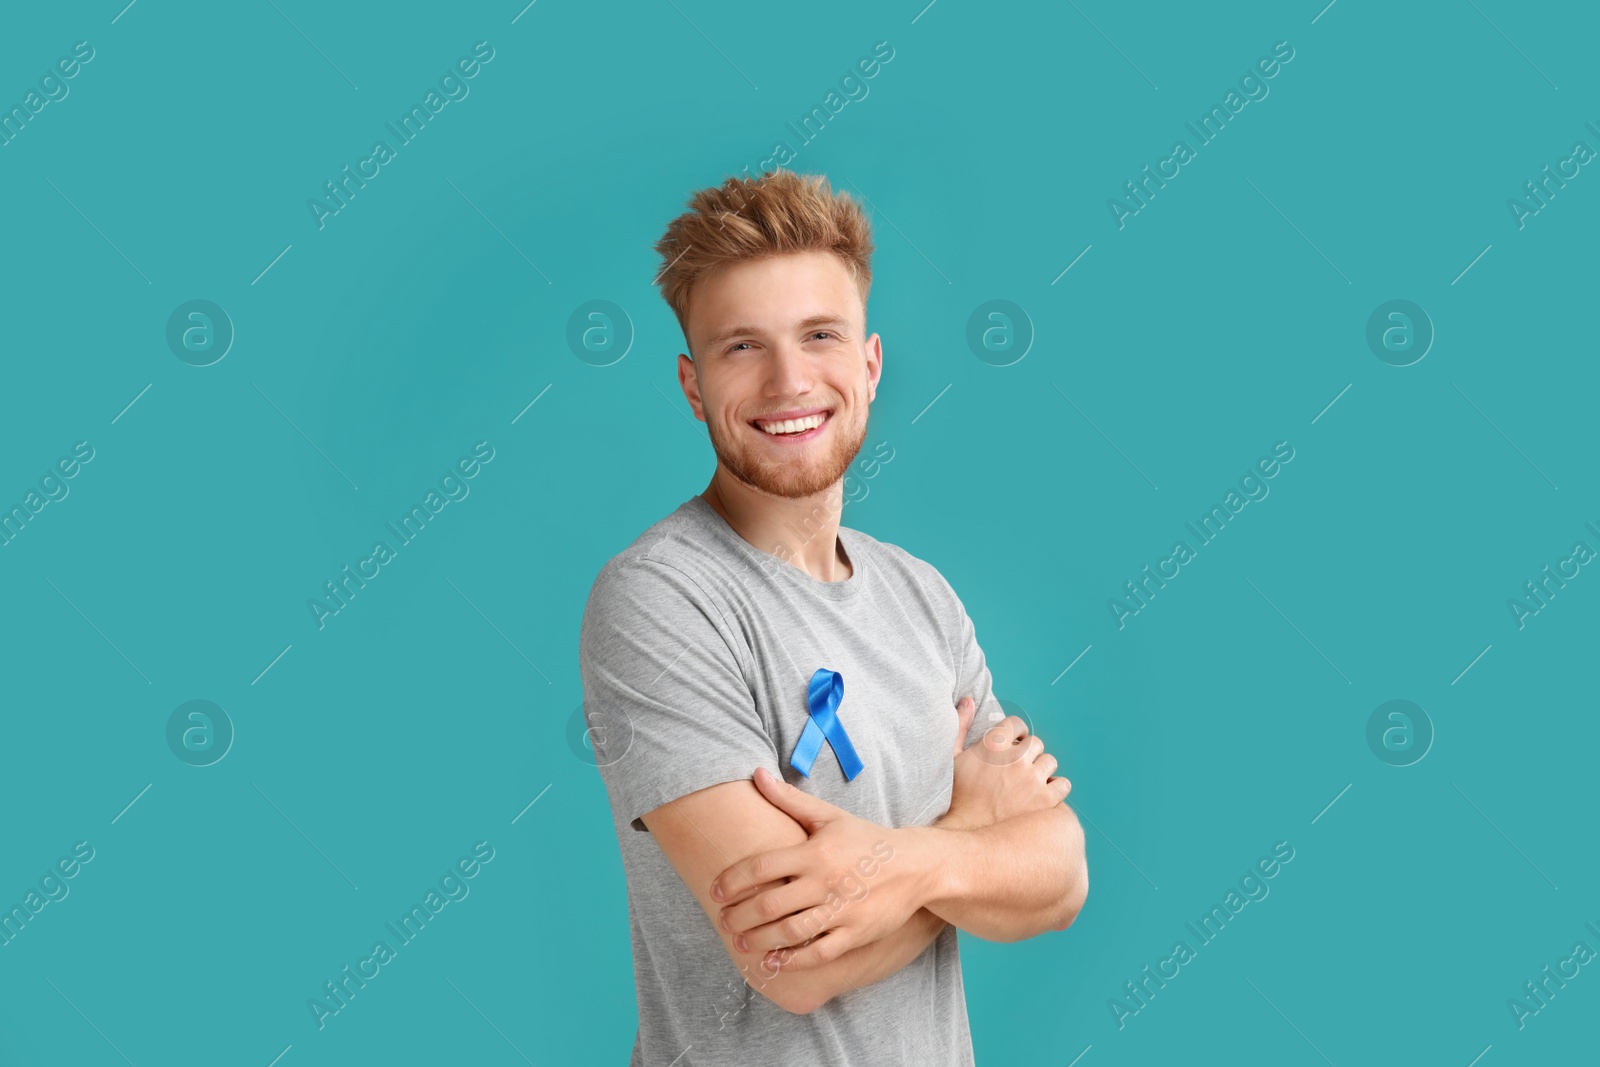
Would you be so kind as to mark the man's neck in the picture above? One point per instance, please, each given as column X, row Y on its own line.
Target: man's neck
column 803, row 531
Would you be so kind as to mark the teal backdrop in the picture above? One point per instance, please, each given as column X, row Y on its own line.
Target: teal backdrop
column 1370, row 272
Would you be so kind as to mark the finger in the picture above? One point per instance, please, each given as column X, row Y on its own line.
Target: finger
column 821, row 950
column 811, row 812
column 751, row 872
column 768, row 908
column 751, row 891
column 1006, row 732
column 794, row 929
column 966, row 708
column 1021, row 749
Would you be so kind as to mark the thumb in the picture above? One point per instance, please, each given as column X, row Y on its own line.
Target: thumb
column 966, row 709
column 809, row 811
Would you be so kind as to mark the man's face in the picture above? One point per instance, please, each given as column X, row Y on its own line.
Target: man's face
column 776, row 336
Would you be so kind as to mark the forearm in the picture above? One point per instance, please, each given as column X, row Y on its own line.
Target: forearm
column 1011, row 880
column 856, row 969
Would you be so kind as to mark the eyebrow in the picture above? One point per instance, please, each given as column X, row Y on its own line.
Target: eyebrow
column 804, row 324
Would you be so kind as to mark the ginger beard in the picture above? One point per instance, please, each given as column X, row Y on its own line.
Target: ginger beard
column 806, row 470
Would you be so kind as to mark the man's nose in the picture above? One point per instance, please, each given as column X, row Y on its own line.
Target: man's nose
column 790, row 370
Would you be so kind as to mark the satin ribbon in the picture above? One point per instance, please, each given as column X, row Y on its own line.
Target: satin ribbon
column 824, row 697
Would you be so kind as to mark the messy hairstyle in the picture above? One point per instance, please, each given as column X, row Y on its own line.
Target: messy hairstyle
column 751, row 218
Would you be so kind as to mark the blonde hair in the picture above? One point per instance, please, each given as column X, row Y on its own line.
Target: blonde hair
column 751, row 218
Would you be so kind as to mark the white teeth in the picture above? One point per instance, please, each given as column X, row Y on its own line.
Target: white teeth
column 810, row 422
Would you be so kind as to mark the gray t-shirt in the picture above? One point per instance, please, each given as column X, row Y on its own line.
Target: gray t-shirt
column 696, row 654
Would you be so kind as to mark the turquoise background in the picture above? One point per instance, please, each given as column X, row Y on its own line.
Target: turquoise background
column 433, row 711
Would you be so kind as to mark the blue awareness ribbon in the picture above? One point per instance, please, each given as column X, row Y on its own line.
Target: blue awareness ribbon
column 826, row 693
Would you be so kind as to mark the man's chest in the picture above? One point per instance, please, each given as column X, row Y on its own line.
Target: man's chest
column 897, row 709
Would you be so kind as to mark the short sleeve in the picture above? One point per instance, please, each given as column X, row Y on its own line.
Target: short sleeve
column 972, row 670
column 667, row 705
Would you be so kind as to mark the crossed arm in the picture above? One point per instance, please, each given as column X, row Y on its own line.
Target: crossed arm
column 1010, row 880
column 1005, row 881
column 731, row 823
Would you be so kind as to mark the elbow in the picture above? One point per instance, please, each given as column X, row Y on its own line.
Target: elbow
column 803, row 1002
column 798, row 992
column 1072, row 903
column 806, row 1008
column 813, row 989
column 795, row 997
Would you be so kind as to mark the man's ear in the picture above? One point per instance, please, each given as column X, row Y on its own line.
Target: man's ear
column 874, row 365
column 689, row 382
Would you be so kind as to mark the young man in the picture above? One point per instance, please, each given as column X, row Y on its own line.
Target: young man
column 812, row 783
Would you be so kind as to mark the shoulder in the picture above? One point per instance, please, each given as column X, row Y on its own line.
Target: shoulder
column 897, row 562
column 635, row 587
column 665, row 569
column 914, row 583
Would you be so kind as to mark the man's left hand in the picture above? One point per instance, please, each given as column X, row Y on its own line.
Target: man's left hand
column 850, row 883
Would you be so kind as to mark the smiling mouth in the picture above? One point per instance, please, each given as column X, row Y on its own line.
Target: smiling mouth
column 794, row 428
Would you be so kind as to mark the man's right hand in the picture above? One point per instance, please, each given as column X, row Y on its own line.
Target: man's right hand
column 1005, row 773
